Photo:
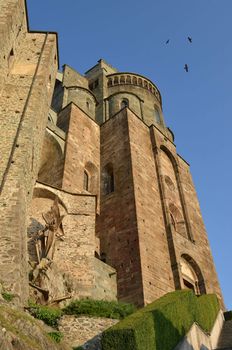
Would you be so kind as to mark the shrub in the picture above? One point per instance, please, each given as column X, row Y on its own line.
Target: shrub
column 99, row 308
column 50, row 315
column 133, row 333
column 162, row 324
column 7, row 296
column 56, row 336
column 78, row 348
column 206, row 311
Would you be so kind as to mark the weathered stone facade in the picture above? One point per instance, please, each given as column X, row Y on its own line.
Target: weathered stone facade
column 132, row 223
column 84, row 331
column 28, row 65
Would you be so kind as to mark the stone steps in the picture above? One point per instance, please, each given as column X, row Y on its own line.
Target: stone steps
column 225, row 339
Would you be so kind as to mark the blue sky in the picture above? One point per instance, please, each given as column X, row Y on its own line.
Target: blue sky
column 131, row 36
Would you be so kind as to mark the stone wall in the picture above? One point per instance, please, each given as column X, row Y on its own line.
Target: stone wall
column 74, row 254
column 152, row 218
column 154, row 255
column 27, row 74
column 84, row 331
column 82, row 151
column 117, row 223
column 189, row 240
column 85, row 275
column 105, row 281
column 51, row 165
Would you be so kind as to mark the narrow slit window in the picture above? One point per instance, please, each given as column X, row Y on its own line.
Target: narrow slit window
column 86, row 181
column 124, row 103
column 108, row 180
column 11, row 58
column 157, row 115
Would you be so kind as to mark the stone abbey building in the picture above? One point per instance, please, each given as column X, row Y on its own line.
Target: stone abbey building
column 98, row 144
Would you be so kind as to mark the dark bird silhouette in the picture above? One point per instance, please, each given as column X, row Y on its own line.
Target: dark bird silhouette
column 186, row 68
column 190, row 39
column 167, row 41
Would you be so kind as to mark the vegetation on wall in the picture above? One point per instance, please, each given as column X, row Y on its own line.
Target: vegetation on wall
column 92, row 308
column 7, row 296
column 99, row 308
column 162, row 324
column 50, row 315
column 56, row 336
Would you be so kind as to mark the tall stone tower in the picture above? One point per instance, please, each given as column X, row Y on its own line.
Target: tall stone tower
column 149, row 225
column 132, row 221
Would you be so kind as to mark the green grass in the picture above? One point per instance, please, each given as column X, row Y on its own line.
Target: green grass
column 7, row 296
column 56, row 336
column 162, row 324
column 50, row 315
column 99, row 308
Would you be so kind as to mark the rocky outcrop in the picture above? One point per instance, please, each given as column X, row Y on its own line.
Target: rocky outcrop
column 20, row 331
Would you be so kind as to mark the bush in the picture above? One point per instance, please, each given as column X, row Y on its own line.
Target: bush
column 7, row 296
column 56, row 336
column 206, row 311
column 50, row 315
column 99, row 308
column 162, row 324
column 228, row 315
column 132, row 333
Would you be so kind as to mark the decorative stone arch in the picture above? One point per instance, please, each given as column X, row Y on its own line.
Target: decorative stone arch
column 174, row 163
column 93, row 177
column 124, row 92
column 169, row 183
column 177, row 219
column 115, row 102
column 51, row 162
column 41, row 203
column 40, row 192
column 88, row 92
column 191, row 274
column 171, row 157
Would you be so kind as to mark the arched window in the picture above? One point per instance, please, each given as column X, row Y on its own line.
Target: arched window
column 191, row 276
column 108, row 179
column 157, row 115
column 177, row 219
column 86, row 181
column 124, row 103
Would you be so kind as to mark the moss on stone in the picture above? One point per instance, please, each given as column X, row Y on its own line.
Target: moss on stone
column 29, row 332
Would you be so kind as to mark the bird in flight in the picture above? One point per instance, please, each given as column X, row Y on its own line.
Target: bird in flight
column 186, row 68
column 190, row 39
column 167, row 41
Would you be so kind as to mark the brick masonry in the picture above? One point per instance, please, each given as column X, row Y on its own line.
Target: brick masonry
column 135, row 232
